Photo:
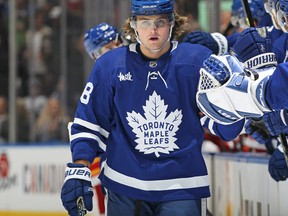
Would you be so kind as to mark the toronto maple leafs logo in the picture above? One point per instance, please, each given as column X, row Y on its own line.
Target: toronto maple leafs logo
column 155, row 132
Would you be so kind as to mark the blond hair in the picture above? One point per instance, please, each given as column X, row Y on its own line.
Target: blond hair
column 178, row 29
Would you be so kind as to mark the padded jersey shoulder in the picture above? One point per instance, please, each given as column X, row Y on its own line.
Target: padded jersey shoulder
column 192, row 53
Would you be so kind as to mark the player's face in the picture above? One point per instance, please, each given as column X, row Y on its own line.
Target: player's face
column 111, row 45
column 153, row 32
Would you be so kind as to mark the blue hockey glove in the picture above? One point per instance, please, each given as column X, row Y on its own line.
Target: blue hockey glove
column 216, row 42
column 254, row 48
column 77, row 187
column 277, row 165
column 276, row 122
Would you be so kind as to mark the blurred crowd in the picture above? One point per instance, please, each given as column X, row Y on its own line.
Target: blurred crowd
column 42, row 113
column 47, row 98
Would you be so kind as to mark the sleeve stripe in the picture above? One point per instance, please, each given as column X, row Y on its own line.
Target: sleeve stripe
column 90, row 136
column 91, row 126
column 203, row 120
column 210, row 126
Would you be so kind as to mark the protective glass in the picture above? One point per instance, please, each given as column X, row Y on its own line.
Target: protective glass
column 146, row 24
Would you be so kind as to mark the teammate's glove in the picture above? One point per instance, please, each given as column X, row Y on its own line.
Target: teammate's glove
column 211, row 97
column 276, row 122
column 77, row 184
column 254, row 48
column 277, row 165
column 258, row 131
column 226, row 94
column 216, row 71
column 216, row 42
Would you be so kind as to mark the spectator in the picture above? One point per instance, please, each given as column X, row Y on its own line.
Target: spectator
column 38, row 47
column 51, row 122
column 35, row 102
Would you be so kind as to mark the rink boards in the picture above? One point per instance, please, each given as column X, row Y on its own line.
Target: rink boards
column 241, row 185
column 31, row 178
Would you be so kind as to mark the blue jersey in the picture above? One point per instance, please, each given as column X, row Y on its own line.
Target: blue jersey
column 280, row 48
column 143, row 114
column 232, row 39
column 276, row 88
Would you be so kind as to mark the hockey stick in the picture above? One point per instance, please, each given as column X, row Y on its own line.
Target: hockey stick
column 249, row 18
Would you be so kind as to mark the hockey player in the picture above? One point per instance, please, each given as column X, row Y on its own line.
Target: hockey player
column 251, row 49
column 216, row 41
column 259, row 97
column 271, row 7
column 280, row 47
column 98, row 40
column 139, row 106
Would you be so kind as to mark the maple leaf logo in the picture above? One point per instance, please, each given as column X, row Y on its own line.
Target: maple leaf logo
column 155, row 132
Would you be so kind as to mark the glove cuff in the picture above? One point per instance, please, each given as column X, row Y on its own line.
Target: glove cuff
column 77, row 172
column 262, row 60
column 221, row 41
column 280, row 148
column 284, row 116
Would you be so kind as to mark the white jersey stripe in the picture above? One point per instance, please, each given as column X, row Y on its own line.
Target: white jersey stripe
column 157, row 185
column 210, row 126
column 90, row 136
column 91, row 126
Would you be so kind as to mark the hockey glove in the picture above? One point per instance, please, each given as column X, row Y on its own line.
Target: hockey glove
column 257, row 130
column 216, row 42
column 277, row 165
column 254, row 48
column 77, row 185
column 276, row 122
column 226, row 94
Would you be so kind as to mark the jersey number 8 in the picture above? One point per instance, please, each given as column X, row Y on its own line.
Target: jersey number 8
column 86, row 93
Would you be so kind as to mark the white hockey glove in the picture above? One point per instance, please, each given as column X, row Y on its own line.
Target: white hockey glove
column 227, row 93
